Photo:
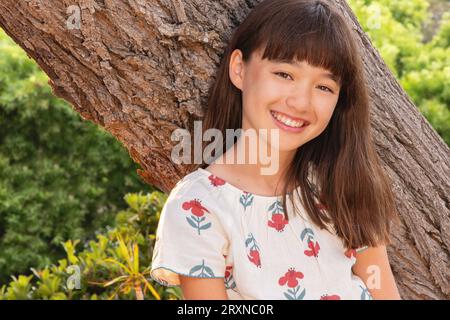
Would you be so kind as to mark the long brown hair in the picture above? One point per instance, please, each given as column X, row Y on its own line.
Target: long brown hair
column 350, row 184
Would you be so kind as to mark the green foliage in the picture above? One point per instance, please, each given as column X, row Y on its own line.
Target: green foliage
column 60, row 176
column 423, row 69
column 114, row 266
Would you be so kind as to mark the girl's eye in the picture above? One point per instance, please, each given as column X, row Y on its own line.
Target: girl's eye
column 326, row 89
column 283, row 74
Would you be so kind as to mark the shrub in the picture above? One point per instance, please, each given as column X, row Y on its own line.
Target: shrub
column 114, row 266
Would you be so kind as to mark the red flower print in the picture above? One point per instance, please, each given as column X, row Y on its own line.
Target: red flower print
column 196, row 207
column 290, row 278
column 350, row 252
column 228, row 279
column 314, row 249
column 216, row 181
column 254, row 257
column 278, row 222
column 253, row 250
column 228, row 271
column 330, row 297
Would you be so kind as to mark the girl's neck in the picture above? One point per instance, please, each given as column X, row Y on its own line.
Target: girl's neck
column 247, row 176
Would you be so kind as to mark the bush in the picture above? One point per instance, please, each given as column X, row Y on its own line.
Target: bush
column 114, row 266
column 60, row 177
column 396, row 29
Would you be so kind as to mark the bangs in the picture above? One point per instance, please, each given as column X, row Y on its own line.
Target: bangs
column 316, row 38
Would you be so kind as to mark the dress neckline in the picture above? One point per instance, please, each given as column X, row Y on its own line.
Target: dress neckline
column 238, row 190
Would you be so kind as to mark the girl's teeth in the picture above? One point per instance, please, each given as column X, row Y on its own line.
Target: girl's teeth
column 287, row 121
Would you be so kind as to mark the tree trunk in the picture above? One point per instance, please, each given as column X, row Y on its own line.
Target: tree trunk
column 142, row 68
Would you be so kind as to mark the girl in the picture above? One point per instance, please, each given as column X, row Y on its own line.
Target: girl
column 225, row 231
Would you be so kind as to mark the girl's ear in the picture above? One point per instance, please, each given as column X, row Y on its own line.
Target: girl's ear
column 236, row 68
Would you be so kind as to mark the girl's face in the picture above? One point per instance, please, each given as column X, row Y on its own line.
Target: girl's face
column 296, row 98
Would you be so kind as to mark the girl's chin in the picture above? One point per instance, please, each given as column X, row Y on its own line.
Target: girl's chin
column 284, row 146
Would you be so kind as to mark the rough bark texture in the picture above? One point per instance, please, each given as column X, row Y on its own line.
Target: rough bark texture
column 142, row 68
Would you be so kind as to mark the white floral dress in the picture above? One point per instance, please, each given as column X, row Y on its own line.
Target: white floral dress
column 211, row 229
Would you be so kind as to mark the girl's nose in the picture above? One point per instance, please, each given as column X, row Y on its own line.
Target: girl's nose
column 299, row 98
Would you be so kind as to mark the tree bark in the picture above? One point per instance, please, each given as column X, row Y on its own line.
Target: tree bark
column 142, row 68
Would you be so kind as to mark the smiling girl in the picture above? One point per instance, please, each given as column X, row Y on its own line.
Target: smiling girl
column 318, row 227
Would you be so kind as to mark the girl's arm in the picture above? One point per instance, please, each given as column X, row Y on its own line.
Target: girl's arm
column 202, row 289
column 372, row 266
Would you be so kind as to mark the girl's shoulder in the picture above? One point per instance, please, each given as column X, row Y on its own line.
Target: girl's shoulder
column 197, row 185
column 192, row 183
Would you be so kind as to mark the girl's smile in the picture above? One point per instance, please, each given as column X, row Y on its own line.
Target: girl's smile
column 288, row 123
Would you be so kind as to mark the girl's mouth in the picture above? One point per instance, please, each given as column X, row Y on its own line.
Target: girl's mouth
column 287, row 123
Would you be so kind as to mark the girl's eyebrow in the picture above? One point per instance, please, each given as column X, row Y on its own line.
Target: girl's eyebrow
column 331, row 76
column 299, row 64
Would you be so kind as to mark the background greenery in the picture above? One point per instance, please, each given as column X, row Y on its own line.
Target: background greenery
column 416, row 49
column 62, row 179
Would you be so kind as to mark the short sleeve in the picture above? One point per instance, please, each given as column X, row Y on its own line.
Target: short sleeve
column 361, row 249
column 190, row 237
